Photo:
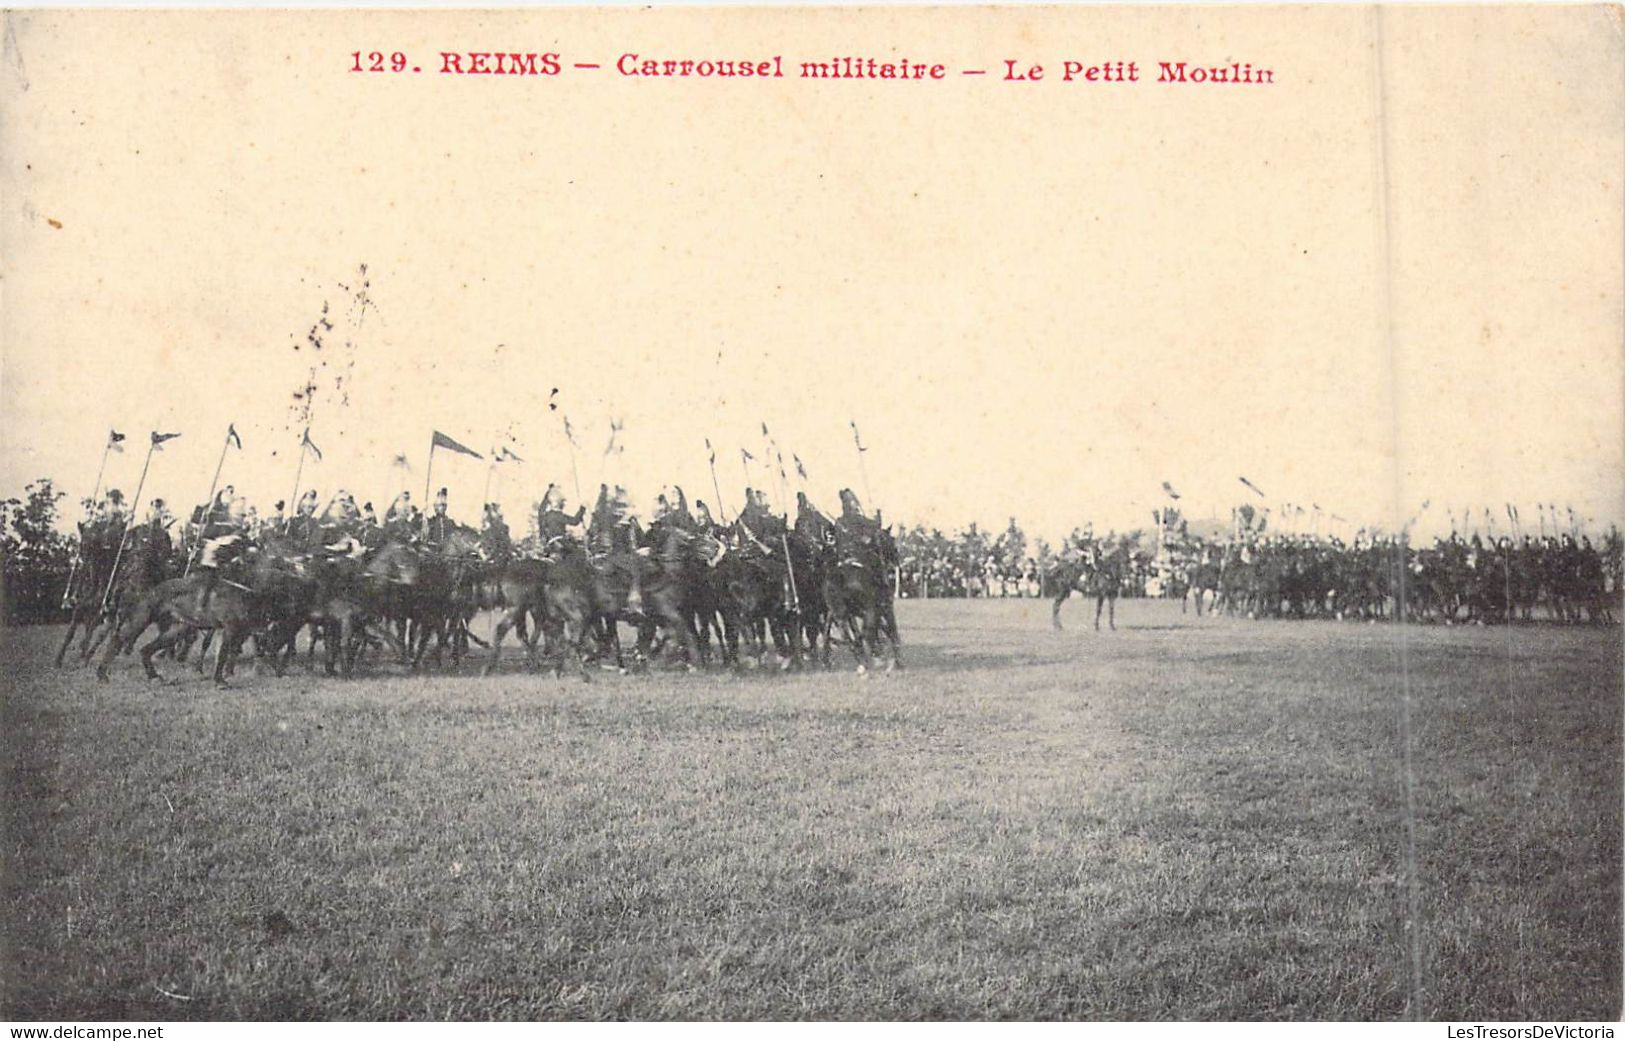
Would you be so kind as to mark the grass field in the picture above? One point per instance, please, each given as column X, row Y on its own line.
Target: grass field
column 1185, row 819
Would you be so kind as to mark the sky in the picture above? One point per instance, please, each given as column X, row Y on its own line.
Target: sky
column 1390, row 278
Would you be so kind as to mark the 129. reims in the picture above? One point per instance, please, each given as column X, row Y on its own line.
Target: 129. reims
column 477, row 63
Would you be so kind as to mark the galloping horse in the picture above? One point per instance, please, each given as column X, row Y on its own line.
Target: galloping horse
column 144, row 562
column 234, row 611
column 857, row 593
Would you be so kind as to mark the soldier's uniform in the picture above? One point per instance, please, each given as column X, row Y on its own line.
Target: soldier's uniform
column 760, row 521
column 854, row 521
column 303, row 528
column 811, row 524
column 223, row 542
column 703, row 523
column 553, row 524
column 402, row 520
column 495, row 539
column 612, row 530
column 439, row 525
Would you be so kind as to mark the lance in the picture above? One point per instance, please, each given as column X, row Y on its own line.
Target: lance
column 95, row 492
column 575, row 475
column 863, row 469
column 124, row 537
column 609, row 465
column 428, row 482
column 208, row 500
column 767, row 459
column 392, row 491
column 744, row 459
column 790, row 569
column 570, row 439
column 298, row 474
column 711, row 455
column 784, row 483
column 485, row 496
column 801, row 473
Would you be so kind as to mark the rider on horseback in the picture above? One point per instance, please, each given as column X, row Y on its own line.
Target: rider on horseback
column 553, row 524
column 439, row 524
column 495, row 540
column 853, row 521
column 222, row 542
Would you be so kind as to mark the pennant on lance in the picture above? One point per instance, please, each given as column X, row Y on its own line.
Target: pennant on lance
column 442, row 441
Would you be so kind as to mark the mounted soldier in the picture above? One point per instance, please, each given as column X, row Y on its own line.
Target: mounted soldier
column 612, row 529
column 495, row 540
column 224, row 541
column 440, row 523
column 553, row 524
column 811, row 524
column 303, row 527
column 765, row 525
column 401, row 519
column 704, row 523
column 854, row 521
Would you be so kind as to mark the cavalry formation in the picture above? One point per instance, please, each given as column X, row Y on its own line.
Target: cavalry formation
column 1455, row 579
column 694, row 591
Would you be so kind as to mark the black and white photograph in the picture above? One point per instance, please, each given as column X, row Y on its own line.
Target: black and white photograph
column 812, row 514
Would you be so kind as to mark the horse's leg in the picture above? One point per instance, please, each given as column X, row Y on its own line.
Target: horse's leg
column 74, row 622
column 1111, row 611
column 1055, row 609
column 223, row 655
column 521, row 627
column 137, row 624
column 888, row 625
column 203, row 651
column 1100, row 602
column 88, row 642
column 504, row 623
column 420, row 641
column 156, row 644
column 575, row 629
column 95, row 636
column 852, row 629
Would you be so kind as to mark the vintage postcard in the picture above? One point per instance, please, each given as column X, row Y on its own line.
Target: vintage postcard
column 817, row 513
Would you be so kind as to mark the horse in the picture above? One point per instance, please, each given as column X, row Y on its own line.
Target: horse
column 857, row 591
column 1093, row 573
column 234, row 611
column 517, row 590
column 1202, row 577
column 97, row 595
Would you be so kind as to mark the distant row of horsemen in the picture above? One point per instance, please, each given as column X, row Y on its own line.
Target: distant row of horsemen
column 695, row 590
column 1560, row 577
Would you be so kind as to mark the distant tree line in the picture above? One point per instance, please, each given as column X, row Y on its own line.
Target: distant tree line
column 36, row 557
